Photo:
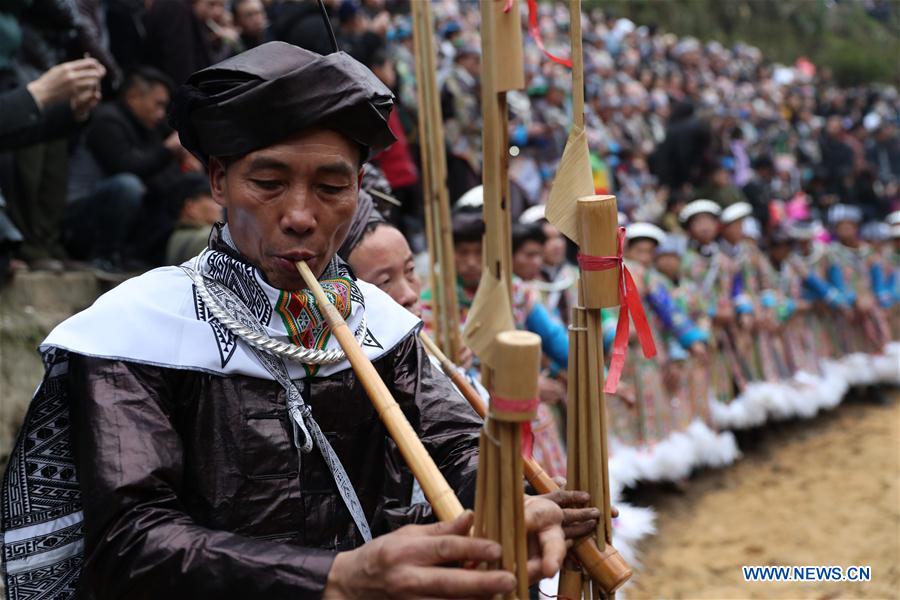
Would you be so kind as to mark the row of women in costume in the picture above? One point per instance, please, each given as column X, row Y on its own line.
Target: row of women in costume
column 745, row 336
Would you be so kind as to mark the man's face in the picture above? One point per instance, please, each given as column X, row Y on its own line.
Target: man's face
column 846, row 232
column 779, row 251
column 148, row 103
column 527, row 260
column 467, row 256
column 669, row 265
column 733, row 232
column 471, row 63
column 703, row 228
column 250, row 18
column 555, row 246
column 384, row 259
column 290, row 201
column 641, row 251
column 201, row 210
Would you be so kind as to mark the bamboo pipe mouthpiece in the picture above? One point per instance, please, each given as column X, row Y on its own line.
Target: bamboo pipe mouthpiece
column 598, row 222
column 606, row 567
column 515, row 372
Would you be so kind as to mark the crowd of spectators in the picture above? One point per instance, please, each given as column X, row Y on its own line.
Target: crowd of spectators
column 92, row 176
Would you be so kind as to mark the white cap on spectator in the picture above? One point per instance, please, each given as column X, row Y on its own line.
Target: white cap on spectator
column 895, row 231
column 872, row 121
column 474, row 198
column 532, row 215
column 875, row 231
column 893, row 218
column 844, row 212
column 645, row 230
column 738, row 210
column 699, row 207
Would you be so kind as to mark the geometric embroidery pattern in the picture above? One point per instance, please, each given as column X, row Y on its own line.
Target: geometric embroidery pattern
column 41, row 486
column 304, row 322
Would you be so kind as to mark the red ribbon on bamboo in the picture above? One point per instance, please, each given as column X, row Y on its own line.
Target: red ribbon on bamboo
column 535, row 32
column 630, row 305
column 508, row 405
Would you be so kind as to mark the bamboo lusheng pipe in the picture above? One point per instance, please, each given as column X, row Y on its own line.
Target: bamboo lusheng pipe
column 603, row 566
column 439, row 493
column 442, row 272
column 513, row 398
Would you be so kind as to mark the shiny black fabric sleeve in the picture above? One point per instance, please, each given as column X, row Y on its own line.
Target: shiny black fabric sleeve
column 447, row 425
column 139, row 540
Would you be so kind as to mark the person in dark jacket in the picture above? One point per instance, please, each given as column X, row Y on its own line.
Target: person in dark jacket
column 125, row 152
column 196, row 457
column 177, row 40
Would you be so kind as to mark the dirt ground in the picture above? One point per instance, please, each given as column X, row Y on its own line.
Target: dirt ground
column 818, row 492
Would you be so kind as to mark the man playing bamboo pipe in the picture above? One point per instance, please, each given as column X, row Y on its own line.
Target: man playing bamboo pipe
column 201, row 460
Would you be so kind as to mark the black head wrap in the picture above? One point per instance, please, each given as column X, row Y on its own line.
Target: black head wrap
column 263, row 95
column 365, row 216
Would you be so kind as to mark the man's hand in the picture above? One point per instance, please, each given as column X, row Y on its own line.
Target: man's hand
column 546, row 540
column 579, row 519
column 408, row 563
column 83, row 103
column 67, row 81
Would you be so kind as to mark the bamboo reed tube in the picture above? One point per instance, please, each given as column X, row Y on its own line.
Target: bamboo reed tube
column 515, row 381
column 594, row 324
column 572, row 409
column 597, row 484
column 507, row 501
column 569, row 584
column 421, row 33
column 480, row 489
column 598, row 221
column 582, row 376
column 439, row 493
column 577, row 63
column 586, row 550
column 492, row 484
column 521, row 540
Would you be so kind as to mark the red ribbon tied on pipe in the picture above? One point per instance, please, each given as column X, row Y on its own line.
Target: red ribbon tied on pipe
column 630, row 309
column 507, row 405
column 535, row 32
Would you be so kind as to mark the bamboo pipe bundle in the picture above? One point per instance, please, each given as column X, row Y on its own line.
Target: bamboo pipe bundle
column 499, row 500
column 439, row 493
column 587, row 415
column 585, row 550
column 438, row 230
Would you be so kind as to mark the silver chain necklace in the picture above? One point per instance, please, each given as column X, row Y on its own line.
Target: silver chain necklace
column 222, row 306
